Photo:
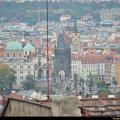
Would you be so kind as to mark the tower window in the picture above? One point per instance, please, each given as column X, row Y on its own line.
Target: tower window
column 8, row 55
column 13, row 54
column 20, row 55
column 25, row 52
column 29, row 52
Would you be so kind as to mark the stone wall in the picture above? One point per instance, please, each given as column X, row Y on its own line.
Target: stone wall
column 65, row 106
column 22, row 108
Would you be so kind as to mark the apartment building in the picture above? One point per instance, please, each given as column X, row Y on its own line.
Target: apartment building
column 109, row 14
column 22, row 69
column 109, row 72
column 84, row 65
column 117, row 72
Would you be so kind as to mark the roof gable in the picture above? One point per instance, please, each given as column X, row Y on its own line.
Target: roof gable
column 28, row 47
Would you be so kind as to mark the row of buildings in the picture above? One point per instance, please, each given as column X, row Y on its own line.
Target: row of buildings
column 84, row 48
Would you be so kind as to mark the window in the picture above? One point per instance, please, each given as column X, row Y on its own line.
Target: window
column 29, row 66
column 13, row 54
column 21, row 72
column 29, row 72
column 25, row 52
column 8, row 55
column 21, row 77
column 14, row 67
column 29, row 52
column 21, row 66
column 20, row 55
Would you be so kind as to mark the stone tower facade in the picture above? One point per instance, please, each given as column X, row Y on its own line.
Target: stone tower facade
column 62, row 60
column 75, row 35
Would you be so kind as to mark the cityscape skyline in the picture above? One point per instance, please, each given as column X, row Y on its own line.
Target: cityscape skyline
column 61, row 60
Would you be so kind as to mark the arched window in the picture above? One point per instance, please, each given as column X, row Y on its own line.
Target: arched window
column 25, row 52
column 20, row 55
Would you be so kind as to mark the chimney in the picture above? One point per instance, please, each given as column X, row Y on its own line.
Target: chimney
column 13, row 93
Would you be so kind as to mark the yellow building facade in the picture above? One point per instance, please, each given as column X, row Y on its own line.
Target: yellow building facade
column 117, row 72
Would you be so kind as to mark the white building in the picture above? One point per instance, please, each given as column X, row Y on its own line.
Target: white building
column 84, row 65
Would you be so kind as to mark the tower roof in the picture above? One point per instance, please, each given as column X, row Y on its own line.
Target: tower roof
column 61, row 43
column 75, row 27
column 28, row 47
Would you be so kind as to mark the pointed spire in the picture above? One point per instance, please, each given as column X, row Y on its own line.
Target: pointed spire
column 61, row 42
column 38, row 18
column 75, row 26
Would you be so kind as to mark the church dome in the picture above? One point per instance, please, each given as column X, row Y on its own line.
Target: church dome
column 13, row 46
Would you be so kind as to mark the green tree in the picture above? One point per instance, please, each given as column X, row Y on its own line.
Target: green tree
column 114, row 81
column 7, row 77
column 104, row 91
column 76, row 79
column 29, row 83
column 12, row 78
column 90, row 82
column 101, row 84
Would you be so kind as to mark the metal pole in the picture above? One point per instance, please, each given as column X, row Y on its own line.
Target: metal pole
column 48, row 94
column 83, row 88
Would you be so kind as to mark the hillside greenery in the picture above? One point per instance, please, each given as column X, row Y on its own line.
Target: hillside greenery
column 21, row 11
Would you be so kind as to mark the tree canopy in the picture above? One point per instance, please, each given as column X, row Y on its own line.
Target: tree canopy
column 29, row 83
column 27, row 11
column 104, row 91
column 7, row 77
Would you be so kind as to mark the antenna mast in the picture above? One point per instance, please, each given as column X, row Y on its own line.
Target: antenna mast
column 48, row 95
column 38, row 18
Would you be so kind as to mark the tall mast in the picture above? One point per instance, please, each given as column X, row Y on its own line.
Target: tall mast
column 48, row 94
column 38, row 18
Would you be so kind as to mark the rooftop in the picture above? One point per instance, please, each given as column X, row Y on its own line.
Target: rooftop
column 13, row 46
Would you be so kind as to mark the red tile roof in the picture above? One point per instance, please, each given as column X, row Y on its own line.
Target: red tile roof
column 92, row 106
column 2, row 51
column 89, row 58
